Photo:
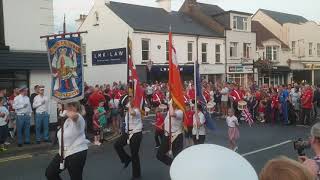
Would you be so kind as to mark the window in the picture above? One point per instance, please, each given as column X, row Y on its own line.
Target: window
column 97, row 18
column 246, row 50
column 318, row 49
column 84, row 54
column 233, row 49
column 272, row 53
column 310, row 49
column 218, row 53
column 237, row 78
column 167, row 50
column 204, row 52
column 190, row 49
column 293, row 47
column 240, row 23
column 145, row 49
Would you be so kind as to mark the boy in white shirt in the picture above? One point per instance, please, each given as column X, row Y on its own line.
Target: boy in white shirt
column 3, row 124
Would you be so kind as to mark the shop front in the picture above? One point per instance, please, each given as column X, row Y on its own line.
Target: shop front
column 310, row 74
column 160, row 72
column 212, row 72
column 277, row 75
column 240, row 74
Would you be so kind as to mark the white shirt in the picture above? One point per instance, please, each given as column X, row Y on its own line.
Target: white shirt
column 232, row 121
column 135, row 122
column 224, row 93
column 74, row 137
column 114, row 103
column 149, row 90
column 22, row 105
column 41, row 103
column 201, row 129
column 176, row 123
column 3, row 119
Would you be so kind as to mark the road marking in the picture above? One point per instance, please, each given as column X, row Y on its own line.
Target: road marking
column 266, row 148
column 13, row 158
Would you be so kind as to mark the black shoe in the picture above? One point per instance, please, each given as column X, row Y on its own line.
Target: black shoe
column 38, row 142
column 126, row 164
column 19, row 145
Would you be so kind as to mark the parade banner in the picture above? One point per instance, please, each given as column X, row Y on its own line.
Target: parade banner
column 66, row 65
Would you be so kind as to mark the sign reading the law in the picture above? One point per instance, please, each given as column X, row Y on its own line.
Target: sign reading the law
column 109, row 56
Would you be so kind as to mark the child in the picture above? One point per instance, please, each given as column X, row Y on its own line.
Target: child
column 159, row 132
column 262, row 110
column 188, row 123
column 102, row 118
column 3, row 124
column 233, row 131
column 96, row 127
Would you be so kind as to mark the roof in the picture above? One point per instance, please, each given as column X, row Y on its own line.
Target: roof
column 283, row 18
column 210, row 9
column 151, row 19
column 263, row 34
column 23, row 61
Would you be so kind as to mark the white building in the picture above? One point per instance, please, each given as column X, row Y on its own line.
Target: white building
column 303, row 38
column 23, row 56
column 240, row 41
column 109, row 24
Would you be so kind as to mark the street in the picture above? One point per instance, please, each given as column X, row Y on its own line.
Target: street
column 103, row 163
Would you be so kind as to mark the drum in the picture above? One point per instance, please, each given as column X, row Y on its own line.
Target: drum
column 163, row 108
column 242, row 105
column 210, row 107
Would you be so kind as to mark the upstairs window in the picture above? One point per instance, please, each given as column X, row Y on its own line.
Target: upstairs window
column 218, row 53
column 240, row 23
column 310, row 49
column 293, row 47
column 318, row 49
column 190, row 50
column 272, row 53
column 204, row 52
column 145, row 49
column 233, row 49
column 246, row 50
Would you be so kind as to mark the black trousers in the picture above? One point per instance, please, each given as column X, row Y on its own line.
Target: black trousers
column 158, row 136
column 177, row 147
column 198, row 141
column 74, row 164
column 135, row 142
column 3, row 134
column 306, row 116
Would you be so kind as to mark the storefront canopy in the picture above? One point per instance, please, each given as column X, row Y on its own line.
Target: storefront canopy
column 23, row 61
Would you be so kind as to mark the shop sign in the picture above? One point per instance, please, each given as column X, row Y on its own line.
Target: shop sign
column 240, row 69
column 110, row 56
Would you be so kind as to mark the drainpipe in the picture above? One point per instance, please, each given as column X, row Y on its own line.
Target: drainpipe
column 226, row 57
column 2, row 30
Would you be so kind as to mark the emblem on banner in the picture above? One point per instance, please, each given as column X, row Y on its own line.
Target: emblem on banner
column 66, row 66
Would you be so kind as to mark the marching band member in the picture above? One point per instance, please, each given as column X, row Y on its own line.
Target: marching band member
column 192, row 94
column 176, row 144
column 199, row 130
column 131, row 137
column 236, row 96
column 206, row 94
column 157, row 98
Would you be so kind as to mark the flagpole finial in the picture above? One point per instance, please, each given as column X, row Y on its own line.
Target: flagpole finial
column 170, row 28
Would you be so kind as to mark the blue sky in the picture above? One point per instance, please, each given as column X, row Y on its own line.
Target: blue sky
column 307, row 8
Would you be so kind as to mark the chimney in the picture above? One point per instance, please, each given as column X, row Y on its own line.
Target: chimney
column 101, row 2
column 80, row 21
column 165, row 4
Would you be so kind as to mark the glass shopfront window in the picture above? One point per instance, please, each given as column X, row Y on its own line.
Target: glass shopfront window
column 237, row 78
column 13, row 79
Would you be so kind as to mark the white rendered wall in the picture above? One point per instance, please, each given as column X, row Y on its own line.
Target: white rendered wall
column 25, row 22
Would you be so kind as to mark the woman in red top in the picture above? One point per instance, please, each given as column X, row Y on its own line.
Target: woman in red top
column 188, row 123
column 275, row 106
column 159, row 132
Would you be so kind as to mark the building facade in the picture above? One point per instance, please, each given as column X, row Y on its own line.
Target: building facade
column 23, row 56
column 240, row 40
column 110, row 23
column 301, row 36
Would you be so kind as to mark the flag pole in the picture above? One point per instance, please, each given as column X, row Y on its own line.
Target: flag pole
column 195, row 85
column 170, row 59
column 128, row 79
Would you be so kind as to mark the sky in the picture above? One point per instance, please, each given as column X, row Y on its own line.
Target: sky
column 307, row 8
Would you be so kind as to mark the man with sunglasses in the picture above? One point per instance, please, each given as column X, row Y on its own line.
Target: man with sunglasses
column 40, row 104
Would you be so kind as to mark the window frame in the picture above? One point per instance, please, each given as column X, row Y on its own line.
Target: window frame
column 274, row 53
column 144, row 50
column 244, row 21
column 293, row 47
column 235, row 46
column 218, row 53
column 318, row 49
column 246, row 50
column 310, row 47
column 190, row 53
column 204, row 53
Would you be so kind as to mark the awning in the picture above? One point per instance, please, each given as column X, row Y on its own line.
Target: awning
column 23, row 61
column 277, row 69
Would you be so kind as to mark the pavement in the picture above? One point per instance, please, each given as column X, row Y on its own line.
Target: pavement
column 257, row 144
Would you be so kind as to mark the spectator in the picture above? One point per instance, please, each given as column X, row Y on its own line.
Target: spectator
column 12, row 116
column 4, row 113
column 224, row 99
column 306, row 102
column 33, row 95
column 284, row 169
column 40, row 104
column 316, row 101
column 23, row 110
column 95, row 98
column 3, row 93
